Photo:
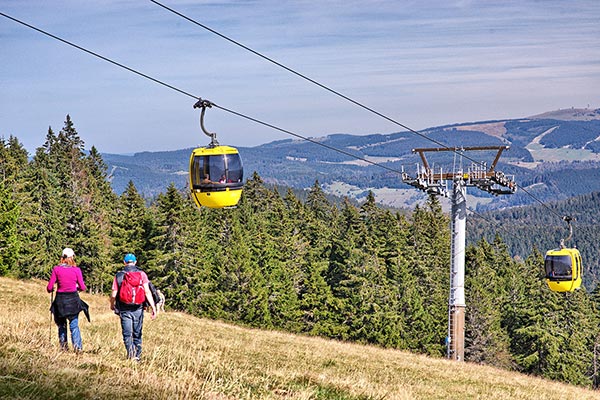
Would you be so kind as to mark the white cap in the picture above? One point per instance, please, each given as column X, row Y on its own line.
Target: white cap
column 68, row 253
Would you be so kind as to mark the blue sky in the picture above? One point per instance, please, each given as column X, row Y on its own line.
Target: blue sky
column 423, row 63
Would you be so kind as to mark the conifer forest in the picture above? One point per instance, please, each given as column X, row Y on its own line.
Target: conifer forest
column 351, row 273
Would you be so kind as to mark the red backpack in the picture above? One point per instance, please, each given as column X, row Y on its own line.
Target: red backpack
column 132, row 290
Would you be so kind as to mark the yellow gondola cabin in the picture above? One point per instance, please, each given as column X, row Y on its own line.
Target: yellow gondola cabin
column 563, row 266
column 563, row 269
column 216, row 176
column 216, row 172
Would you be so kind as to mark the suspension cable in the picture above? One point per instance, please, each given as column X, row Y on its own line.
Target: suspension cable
column 540, row 202
column 337, row 93
column 96, row 55
column 313, row 81
column 239, row 114
column 132, row 70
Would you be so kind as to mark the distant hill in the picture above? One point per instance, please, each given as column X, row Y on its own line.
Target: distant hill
column 554, row 155
column 571, row 114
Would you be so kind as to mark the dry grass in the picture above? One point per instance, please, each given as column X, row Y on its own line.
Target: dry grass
column 192, row 358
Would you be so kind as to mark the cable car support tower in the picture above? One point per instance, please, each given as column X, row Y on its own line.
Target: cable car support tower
column 481, row 177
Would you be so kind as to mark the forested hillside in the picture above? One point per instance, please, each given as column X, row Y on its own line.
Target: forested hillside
column 540, row 227
column 353, row 273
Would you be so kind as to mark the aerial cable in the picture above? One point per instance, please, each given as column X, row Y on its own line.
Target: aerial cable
column 488, row 220
column 327, row 88
column 246, row 116
column 97, row 55
column 306, row 138
column 542, row 203
column 568, row 219
column 198, row 98
column 339, row 94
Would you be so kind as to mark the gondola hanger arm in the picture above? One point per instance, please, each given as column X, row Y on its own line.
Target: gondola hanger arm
column 204, row 104
column 568, row 220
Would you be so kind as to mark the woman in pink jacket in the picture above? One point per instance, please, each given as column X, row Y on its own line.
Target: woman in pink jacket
column 67, row 304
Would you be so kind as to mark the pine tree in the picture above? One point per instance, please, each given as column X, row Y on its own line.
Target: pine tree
column 130, row 226
column 9, row 241
column 430, row 241
column 168, row 254
column 485, row 339
column 42, row 222
column 13, row 164
column 552, row 334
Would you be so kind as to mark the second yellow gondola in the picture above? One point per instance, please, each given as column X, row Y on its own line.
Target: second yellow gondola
column 564, row 269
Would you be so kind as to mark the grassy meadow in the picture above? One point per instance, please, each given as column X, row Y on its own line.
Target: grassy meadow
column 191, row 358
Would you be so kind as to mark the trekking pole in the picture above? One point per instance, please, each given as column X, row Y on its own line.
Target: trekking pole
column 51, row 301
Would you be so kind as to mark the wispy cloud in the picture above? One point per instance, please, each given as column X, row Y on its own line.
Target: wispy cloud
column 424, row 63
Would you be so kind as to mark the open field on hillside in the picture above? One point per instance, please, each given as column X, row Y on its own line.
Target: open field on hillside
column 191, row 358
column 399, row 198
column 541, row 153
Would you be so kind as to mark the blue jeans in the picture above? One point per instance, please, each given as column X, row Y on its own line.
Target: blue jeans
column 73, row 327
column 131, row 325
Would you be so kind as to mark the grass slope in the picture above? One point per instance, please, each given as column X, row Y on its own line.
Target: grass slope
column 192, row 358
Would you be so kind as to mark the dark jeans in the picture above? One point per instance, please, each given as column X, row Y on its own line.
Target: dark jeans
column 131, row 324
column 73, row 327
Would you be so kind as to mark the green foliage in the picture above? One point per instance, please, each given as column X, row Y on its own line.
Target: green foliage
column 430, row 243
column 487, row 340
column 525, row 228
column 42, row 222
column 9, row 243
column 13, row 158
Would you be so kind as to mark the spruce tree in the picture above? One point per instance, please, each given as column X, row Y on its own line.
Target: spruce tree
column 345, row 274
column 387, row 239
column 552, row 334
column 275, row 248
column 13, row 164
column 431, row 245
column 168, row 254
column 486, row 341
column 42, row 222
column 85, row 204
column 318, row 307
column 9, row 241
column 130, row 225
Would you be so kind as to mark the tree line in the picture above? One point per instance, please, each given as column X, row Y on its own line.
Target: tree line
column 350, row 272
